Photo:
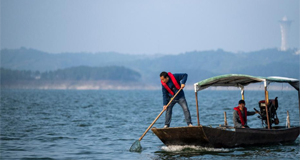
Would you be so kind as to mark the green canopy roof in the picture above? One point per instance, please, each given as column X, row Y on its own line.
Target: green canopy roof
column 237, row 80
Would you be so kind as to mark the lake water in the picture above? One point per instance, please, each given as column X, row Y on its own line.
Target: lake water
column 71, row 124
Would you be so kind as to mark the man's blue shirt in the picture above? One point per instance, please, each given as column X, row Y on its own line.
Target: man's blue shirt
column 181, row 79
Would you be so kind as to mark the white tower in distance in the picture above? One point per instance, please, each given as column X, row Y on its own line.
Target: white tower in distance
column 284, row 28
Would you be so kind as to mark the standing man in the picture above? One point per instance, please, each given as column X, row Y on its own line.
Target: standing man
column 171, row 83
column 240, row 115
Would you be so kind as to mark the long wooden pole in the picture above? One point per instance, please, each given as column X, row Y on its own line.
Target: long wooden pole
column 159, row 115
column 197, row 107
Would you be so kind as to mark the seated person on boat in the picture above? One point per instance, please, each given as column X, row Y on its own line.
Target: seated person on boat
column 240, row 114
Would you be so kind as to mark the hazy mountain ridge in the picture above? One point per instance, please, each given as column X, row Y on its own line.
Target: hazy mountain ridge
column 31, row 59
column 198, row 64
column 70, row 78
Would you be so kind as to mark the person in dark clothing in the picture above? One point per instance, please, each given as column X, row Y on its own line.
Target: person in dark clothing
column 240, row 114
column 171, row 83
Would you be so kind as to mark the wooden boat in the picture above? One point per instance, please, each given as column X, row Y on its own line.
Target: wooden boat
column 226, row 136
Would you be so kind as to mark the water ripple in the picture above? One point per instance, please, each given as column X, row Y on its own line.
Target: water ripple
column 59, row 124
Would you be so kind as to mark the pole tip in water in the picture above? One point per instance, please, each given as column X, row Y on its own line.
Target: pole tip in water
column 136, row 147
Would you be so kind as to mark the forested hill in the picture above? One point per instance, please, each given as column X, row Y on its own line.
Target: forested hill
column 81, row 73
column 74, row 75
column 31, row 59
column 198, row 64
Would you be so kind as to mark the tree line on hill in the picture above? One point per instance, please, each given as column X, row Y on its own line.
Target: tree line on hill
column 81, row 73
column 198, row 65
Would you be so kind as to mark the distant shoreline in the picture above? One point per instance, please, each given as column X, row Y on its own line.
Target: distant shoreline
column 114, row 85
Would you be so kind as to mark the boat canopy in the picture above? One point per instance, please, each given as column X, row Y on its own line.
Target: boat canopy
column 241, row 80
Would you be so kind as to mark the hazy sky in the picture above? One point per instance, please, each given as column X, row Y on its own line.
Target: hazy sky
column 146, row 26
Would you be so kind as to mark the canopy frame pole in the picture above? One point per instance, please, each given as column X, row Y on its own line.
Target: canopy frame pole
column 299, row 104
column 242, row 91
column 267, row 102
column 197, row 107
column 288, row 119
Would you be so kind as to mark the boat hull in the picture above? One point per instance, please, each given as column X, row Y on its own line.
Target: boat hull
column 224, row 138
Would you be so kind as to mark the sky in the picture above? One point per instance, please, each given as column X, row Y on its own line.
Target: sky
column 147, row 26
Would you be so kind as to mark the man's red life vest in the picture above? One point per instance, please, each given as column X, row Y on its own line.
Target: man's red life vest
column 174, row 82
column 240, row 114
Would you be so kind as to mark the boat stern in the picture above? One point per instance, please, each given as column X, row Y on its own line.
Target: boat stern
column 182, row 136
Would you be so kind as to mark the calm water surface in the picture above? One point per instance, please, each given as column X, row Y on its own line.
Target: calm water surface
column 66, row 124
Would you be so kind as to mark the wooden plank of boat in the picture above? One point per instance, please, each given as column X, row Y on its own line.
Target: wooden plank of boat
column 224, row 138
column 249, row 136
column 181, row 135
